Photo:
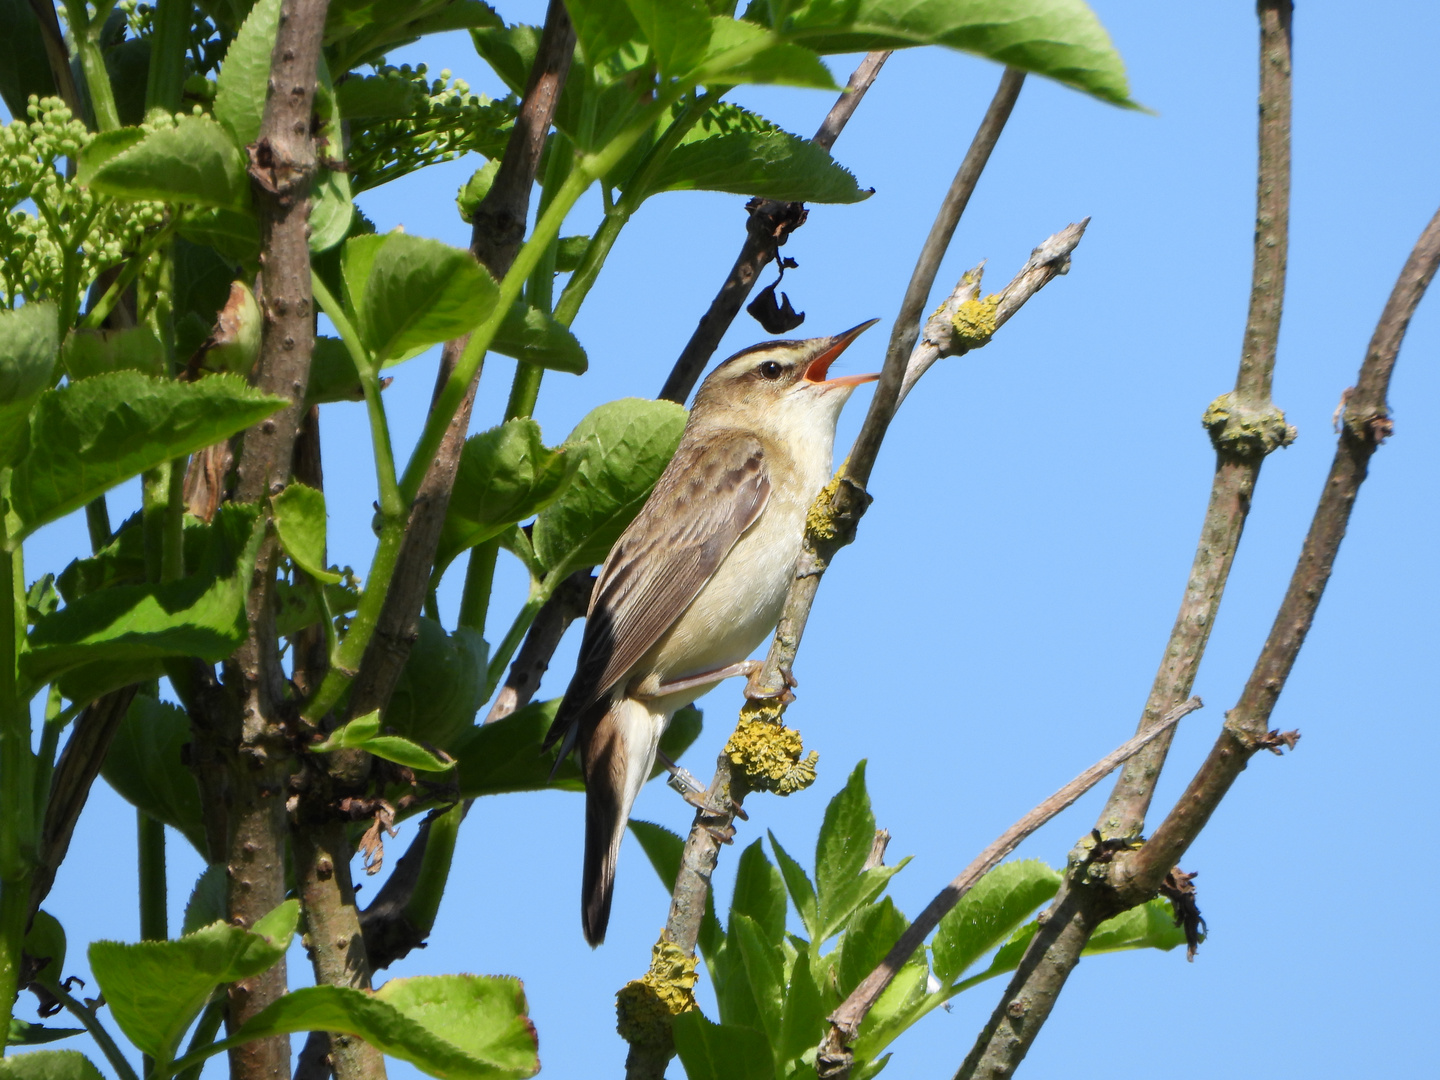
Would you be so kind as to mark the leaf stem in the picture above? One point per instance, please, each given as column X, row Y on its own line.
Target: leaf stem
column 390, row 503
column 92, row 61
column 97, row 1031
column 516, row 634
column 165, row 83
column 151, row 838
column 99, row 310
column 424, row 903
column 203, row 1035
column 479, row 579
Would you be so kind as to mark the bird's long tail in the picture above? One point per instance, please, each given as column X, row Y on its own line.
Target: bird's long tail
column 617, row 758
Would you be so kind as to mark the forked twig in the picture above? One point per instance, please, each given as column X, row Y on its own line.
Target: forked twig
column 834, row 1059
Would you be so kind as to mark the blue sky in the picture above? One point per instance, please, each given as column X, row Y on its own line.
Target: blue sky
column 997, row 624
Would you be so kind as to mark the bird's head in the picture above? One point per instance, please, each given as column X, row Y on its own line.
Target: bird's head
column 785, row 385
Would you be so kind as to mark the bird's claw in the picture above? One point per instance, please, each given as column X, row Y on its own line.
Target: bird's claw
column 755, row 692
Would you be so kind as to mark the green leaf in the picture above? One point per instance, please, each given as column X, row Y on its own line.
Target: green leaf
column 193, row 162
column 155, row 989
column 505, row 475
column 145, row 765
column 458, row 1027
column 770, row 164
column 802, row 1023
column 235, row 234
column 532, row 335
column 45, row 945
column 240, row 87
column 26, row 1034
column 627, row 445
column 98, row 352
column 297, row 606
column 386, row 96
column 94, row 433
column 357, row 258
column 797, row 884
column 760, row 894
column 602, row 26
column 24, row 68
column 740, row 52
column 678, row 32
column 871, row 933
column 201, row 615
column 441, row 687
column 569, row 250
column 29, row 342
column 419, row 292
column 207, row 900
column 299, row 515
column 846, row 836
column 763, row 971
column 332, row 374
column 721, row 1052
column 363, row 733
column 331, row 211
column 49, row 1064
column 1149, row 926
column 1060, row 39
column 899, row 1006
column 988, row 914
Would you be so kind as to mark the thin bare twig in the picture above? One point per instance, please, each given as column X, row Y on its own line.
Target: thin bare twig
column 568, row 603
column 1078, row 909
column 1365, row 424
column 767, row 227
column 834, row 1059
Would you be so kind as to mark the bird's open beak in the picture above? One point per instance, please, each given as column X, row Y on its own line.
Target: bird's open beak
column 820, row 366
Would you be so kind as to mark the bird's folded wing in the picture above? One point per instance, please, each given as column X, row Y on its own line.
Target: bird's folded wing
column 712, row 491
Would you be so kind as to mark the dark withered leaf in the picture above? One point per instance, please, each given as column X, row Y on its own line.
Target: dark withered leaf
column 776, row 317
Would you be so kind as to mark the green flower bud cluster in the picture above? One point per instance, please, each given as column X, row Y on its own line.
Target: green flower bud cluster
column 444, row 121
column 73, row 234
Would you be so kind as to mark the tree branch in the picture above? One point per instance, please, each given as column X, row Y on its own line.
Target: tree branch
column 1244, row 431
column 834, row 1059
column 499, row 229
column 282, row 166
column 768, row 226
column 569, row 602
column 495, row 238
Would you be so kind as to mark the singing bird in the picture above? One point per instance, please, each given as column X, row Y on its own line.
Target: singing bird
column 698, row 580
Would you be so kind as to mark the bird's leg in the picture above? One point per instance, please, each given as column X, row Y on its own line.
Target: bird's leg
column 692, row 791
column 705, row 678
column 755, row 692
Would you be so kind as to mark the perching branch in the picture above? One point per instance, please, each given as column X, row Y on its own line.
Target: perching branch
column 282, row 166
column 836, row 513
column 834, row 1058
column 768, row 226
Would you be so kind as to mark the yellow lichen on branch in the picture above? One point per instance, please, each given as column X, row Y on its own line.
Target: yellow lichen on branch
column 974, row 322
column 645, row 1006
column 768, row 754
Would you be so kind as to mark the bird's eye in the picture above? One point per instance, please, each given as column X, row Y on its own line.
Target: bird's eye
column 770, row 369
